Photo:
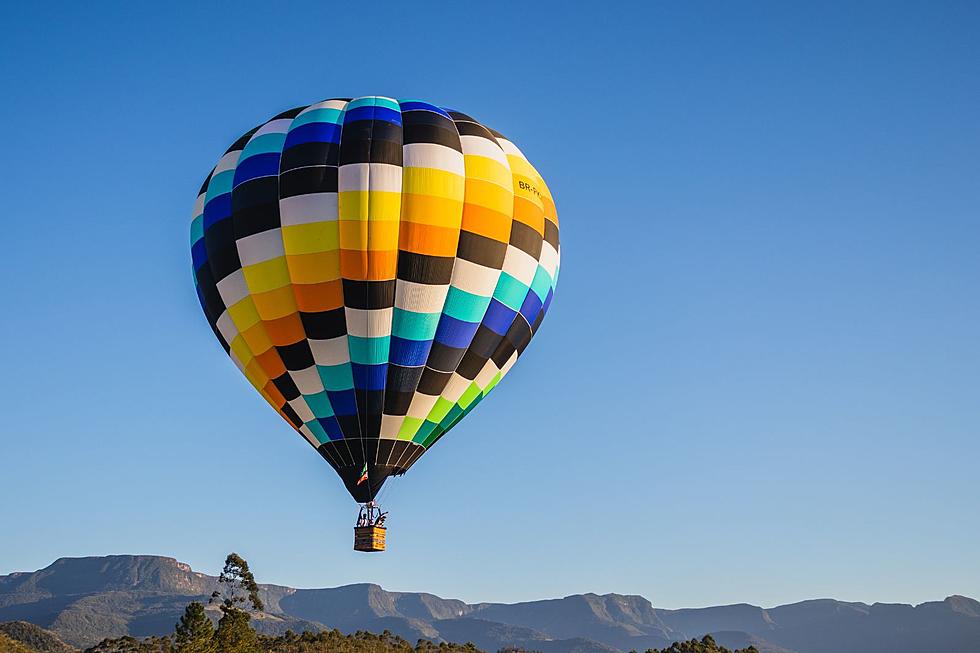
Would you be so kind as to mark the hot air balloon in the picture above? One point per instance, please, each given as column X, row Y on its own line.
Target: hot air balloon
column 374, row 268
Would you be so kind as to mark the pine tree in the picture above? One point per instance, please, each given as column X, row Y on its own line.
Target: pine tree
column 241, row 585
column 194, row 633
column 234, row 634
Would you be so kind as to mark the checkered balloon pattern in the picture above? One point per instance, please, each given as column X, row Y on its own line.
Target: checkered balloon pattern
column 374, row 268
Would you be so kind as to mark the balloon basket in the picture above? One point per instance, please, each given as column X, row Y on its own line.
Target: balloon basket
column 369, row 538
column 369, row 533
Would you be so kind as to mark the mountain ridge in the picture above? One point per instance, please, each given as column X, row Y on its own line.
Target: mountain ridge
column 85, row 599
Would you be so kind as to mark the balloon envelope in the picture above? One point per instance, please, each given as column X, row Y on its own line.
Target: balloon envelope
column 374, row 268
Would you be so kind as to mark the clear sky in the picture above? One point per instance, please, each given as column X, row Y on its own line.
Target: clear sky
column 760, row 377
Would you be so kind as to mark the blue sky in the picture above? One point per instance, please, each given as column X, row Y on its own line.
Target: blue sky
column 758, row 381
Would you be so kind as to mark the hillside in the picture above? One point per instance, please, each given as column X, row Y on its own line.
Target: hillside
column 35, row 637
column 84, row 600
column 9, row 645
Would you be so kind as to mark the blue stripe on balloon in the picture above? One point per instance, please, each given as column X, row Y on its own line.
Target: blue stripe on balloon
column 373, row 113
column 318, row 431
column 538, row 316
column 530, row 307
column 260, row 165
column 409, row 353
column 369, row 377
column 498, row 318
column 332, row 427
column 314, row 132
column 547, row 301
column 422, row 106
column 455, row 333
column 343, row 402
column 199, row 254
column 217, row 209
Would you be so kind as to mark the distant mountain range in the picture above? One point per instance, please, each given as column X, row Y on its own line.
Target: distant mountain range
column 83, row 600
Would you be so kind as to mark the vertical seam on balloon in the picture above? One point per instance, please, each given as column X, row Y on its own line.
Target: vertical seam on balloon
column 292, row 290
column 199, row 289
column 210, row 263
column 384, row 387
column 289, row 272
column 504, row 340
column 367, row 285
column 350, row 363
column 455, row 254
column 357, row 409
column 500, row 272
column 394, row 290
column 340, row 142
column 262, row 321
column 448, row 284
column 200, row 198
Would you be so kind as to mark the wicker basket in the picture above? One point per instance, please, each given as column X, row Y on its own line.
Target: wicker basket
column 369, row 538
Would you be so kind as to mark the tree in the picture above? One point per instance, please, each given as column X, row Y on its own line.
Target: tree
column 234, row 634
column 241, row 585
column 194, row 633
column 706, row 645
column 128, row 644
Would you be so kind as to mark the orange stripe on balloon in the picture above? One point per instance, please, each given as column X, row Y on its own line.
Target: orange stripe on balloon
column 429, row 240
column 318, row 297
column 368, row 266
column 286, row 330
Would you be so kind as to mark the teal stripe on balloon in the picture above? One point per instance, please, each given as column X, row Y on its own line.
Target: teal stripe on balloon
column 541, row 283
column 465, row 306
column 197, row 228
column 319, row 404
column 368, row 351
column 424, row 431
column 334, row 116
column 264, row 144
column 220, row 184
column 336, row 377
column 317, row 431
column 414, row 326
column 510, row 292
column 374, row 102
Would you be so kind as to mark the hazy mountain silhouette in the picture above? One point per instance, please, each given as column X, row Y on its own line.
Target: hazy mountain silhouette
column 83, row 600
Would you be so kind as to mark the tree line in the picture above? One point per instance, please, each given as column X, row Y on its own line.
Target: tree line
column 706, row 644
